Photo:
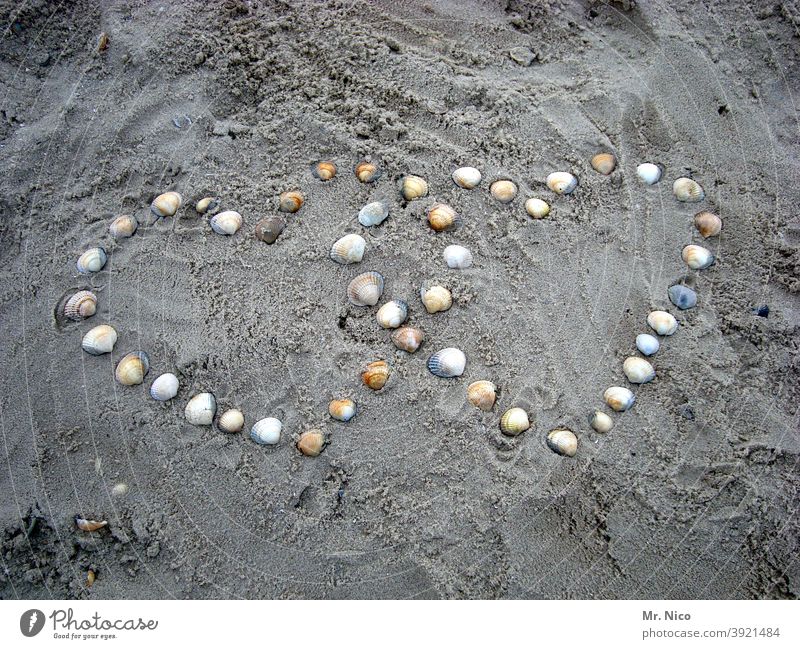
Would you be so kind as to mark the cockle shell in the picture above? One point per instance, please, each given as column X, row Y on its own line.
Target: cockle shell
column 514, row 421
column 482, row 394
column 99, row 340
column 687, row 190
column 201, row 409
column 324, row 170
column 638, row 370
column 132, row 368
column 604, row 163
column 373, row 213
column 207, row 204
column 697, row 257
column 266, row 431
column 165, row 387
column 89, row 526
column 467, row 177
column 647, row 344
column 123, row 227
column 600, row 421
column 537, row 208
column 81, row 305
column 408, row 339
column 562, row 441
column 166, row 204
column 620, row 399
column 457, row 257
column 342, row 409
column 447, row 363
column 311, row 443
column 648, row 173
column 708, row 224
column 92, row 260
column 682, row 296
column 562, row 182
column 443, row 218
column 366, row 289
column 269, row 228
column 504, row 191
column 392, row 314
column 375, row 375
column 367, row 172
column 120, row 490
column 662, row 322
column 436, row 298
column 413, row 187
column 231, row 421
column 349, row 249
column 227, row 222
column 290, row 201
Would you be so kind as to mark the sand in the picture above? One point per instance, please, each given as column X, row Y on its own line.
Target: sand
column 693, row 494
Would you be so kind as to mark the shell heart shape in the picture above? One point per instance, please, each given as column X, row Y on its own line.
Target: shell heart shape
column 708, row 224
column 132, row 368
column 514, row 422
column 443, row 218
column 619, row 398
column 99, row 340
column 123, row 227
column 482, row 394
column 697, row 257
column 447, row 363
column 561, row 182
column 231, row 421
column 311, row 443
column 166, row 204
column 227, row 222
column 392, row 314
column 80, row 306
column 165, row 387
column 687, row 190
column 648, row 173
column 266, row 431
column 562, row 441
column 436, row 299
column 457, row 257
column 92, row 260
column 269, row 229
column 373, row 213
column 365, row 289
column 200, row 409
column 662, row 322
column 408, row 339
column 290, row 201
column 349, row 249
column 342, row 409
column 467, row 177
column 638, row 370
column 375, row 375
column 413, row 187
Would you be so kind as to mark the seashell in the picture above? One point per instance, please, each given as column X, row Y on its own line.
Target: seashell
column 620, row 399
column 447, row 363
column 269, row 229
column 514, row 421
column 482, row 394
column 132, row 368
column 638, row 370
column 290, row 201
column 311, row 443
column 366, row 289
column 457, row 257
column 392, row 314
column 412, row 187
column 682, row 296
column 349, row 249
column 89, row 526
column 601, row 422
column 231, row 421
column 324, row 170
column 443, row 218
column 503, row 190
column 166, row 204
column 99, row 340
column 81, row 305
column 604, row 163
column 123, row 227
column 367, row 172
column 408, row 339
column 92, row 260
column 663, row 323
column 562, row 182
column 207, row 204
column 102, row 45
column 165, row 387
column 697, row 257
column 647, row 344
column 91, row 575
column 562, row 441
column 537, row 208
column 708, row 224
column 119, row 490
column 342, row 409
column 266, row 431
column 648, row 173
column 467, row 177
column 227, row 222
column 201, row 409
column 687, row 190
column 436, row 298
column 373, row 213
column 375, row 375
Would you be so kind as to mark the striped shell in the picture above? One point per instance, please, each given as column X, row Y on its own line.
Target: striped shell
column 638, row 370
column 443, row 218
column 324, row 170
column 166, row 204
column 482, row 394
column 600, row 421
column 367, row 172
column 269, row 228
column 662, row 322
column 457, row 257
column 231, row 421
column 99, row 340
column 562, row 441
column 311, row 443
column 81, row 305
column 290, row 201
column 165, row 387
column 375, row 375
column 366, row 289
column 708, row 224
column 373, row 213
column 92, row 260
column 697, row 257
column 537, row 208
column 266, row 431
column 207, row 204
column 514, row 421
column 349, row 249
column 201, row 409
column 562, row 182
column 467, row 177
column 132, row 368
column 648, row 173
column 504, row 191
column 436, row 298
column 342, row 409
column 408, row 339
column 123, row 227
column 227, row 222
column 620, row 399
column 687, row 190
column 392, row 314
column 604, row 163
column 413, row 187
column 447, row 363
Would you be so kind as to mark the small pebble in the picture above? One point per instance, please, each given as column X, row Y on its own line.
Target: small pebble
column 685, row 410
column 181, row 121
column 522, row 55
column 682, row 296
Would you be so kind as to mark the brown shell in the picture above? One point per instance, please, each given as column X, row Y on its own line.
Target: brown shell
column 311, row 443
column 482, row 394
column 89, row 526
column 291, row 201
column 408, row 339
column 81, row 305
column 375, row 375
column 504, row 191
column 708, row 224
column 443, row 218
column 269, row 229
column 324, row 170
column 367, row 172
column 604, row 163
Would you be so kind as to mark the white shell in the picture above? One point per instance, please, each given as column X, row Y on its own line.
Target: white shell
column 201, row 409
column 227, row 222
column 638, row 370
column 120, row 490
column 662, row 322
column 457, row 257
column 648, row 173
column 99, row 340
column 365, row 289
column 123, row 227
column 392, row 314
column 165, row 387
column 563, row 441
column 619, row 398
column 373, row 213
column 166, row 204
column 537, row 208
column 600, row 421
column 349, row 249
column 562, row 182
column 92, row 260
column 687, row 190
column 697, row 257
column 436, row 298
column 447, row 363
column 467, row 177
column 647, row 344
column 266, row 431
column 231, row 421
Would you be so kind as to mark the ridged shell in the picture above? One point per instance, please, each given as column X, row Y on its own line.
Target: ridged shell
column 92, row 260
column 392, row 314
column 120, row 490
column 342, row 409
column 562, row 441
column 638, row 370
column 443, row 218
column 504, row 191
column 201, row 409
column 687, row 190
column 408, row 339
column 349, row 249
column 647, row 344
column 99, row 340
column 482, row 394
column 436, row 298
column 413, row 187
column 311, row 443
column 562, row 182
column 123, row 227
column 269, row 228
column 165, row 387
column 600, row 421
column 514, row 421
column 132, row 368
column 467, row 177
column 648, row 173
column 604, row 163
column 708, row 224
column 227, row 222
column 697, row 257
column 290, row 201
column 366, row 289
column 682, row 296
column 619, row 398
column 457, row 257
column 447, row 363
column 231, row 421
column 375, row 375
column 367, row 172
column 166, row 204
column 81, row 305
column 324, row 170
column 373, row 213
column 207, row 204
column 662, row 322
column 537, row 208
column 266, row 431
